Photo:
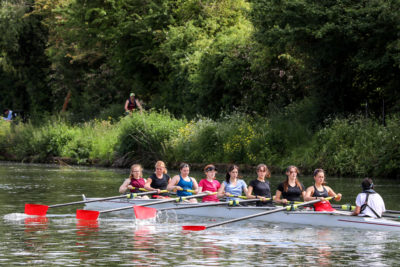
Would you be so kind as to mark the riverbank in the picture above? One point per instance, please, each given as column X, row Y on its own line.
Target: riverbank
column 352, row 146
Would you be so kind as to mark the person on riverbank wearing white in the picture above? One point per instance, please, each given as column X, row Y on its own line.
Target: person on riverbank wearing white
column 369, row 203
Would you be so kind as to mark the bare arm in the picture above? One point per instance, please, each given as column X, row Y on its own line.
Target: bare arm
column 172, row 185
column 221, row 190
column 356, row 211
column 309, row 193
column 139, row 105
column 195, row 186
column 333, row 194
column 124, row 186
column 249, row 192
column 126, row 105
column 278, row 199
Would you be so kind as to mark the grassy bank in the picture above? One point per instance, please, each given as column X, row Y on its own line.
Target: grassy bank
column 348, row 147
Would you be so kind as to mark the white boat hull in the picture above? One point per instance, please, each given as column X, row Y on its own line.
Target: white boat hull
column 329, row 219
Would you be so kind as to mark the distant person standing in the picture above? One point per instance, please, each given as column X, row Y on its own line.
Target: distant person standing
column 369, row 203
column 8, row 114
column 132, row 104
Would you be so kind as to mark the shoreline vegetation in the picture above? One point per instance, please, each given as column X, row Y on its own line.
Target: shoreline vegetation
column 353, row 146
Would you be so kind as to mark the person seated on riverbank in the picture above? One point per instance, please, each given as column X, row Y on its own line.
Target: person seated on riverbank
column 321, row 191
column 291, row 189
column 132, row 104
column 8, row 114
column 158, row 180
column 183, row 182
column 369, row 203
column 232, row 186
column 209, row 184
column 134, row 182
column 260, row 187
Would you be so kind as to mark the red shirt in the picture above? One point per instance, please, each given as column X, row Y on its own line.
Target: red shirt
column 137, row 183
column 210, row 186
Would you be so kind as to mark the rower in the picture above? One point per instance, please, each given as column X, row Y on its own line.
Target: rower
column 260, row 187
column 135, row 181
column 209, row 184
column 321, row 191
column 183, row 184
column 158, row 180
column 232, row 184
column 291, row 189
column 369, row 203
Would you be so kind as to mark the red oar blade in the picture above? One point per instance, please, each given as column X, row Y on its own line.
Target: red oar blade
column 143, row 213
column 87, row 214
column 194, row 227
column 36, row 209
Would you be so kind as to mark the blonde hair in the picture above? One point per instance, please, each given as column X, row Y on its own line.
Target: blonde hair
column 162, row 165
column 133, row 167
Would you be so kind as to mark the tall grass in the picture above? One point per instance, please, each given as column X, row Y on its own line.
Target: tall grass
column 350, row 146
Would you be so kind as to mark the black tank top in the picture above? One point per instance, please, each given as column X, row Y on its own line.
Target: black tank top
column 158, row 183
column 319, row 193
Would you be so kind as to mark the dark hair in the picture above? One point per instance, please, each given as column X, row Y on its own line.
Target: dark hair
column 286, row 182
column 230, row 168
column 367, row 184
column 209, row 167
column 316, row 171
column 183, row 165
column 263, row 166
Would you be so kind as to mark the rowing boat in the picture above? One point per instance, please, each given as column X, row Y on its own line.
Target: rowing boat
column 304, row 217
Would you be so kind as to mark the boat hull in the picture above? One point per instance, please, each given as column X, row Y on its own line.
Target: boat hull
column 328, row 219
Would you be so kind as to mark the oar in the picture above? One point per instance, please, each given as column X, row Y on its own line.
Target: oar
column 93, row 214
column 147, row 213
column 349, row 207
column 41, row 210
column 291, row 207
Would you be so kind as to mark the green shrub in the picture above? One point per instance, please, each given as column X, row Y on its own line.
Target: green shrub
column 143, row 137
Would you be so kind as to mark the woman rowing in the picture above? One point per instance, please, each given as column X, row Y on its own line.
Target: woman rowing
column 135, row 181
column 321, row 191
column 291, row 189
column 158, row 180
column 209, row 184
column 232, row 186
column 260, row 187
column 183, row 183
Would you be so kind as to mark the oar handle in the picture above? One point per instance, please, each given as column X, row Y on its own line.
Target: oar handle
column 291, row 207
column 194, row 206
column 130, row 195
column 237, row 196
column 157, row 202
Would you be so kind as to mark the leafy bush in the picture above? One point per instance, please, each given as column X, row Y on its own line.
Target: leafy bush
column 143, row 137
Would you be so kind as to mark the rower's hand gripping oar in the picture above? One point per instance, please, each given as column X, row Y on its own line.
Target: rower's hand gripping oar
column 93, row 215
column 291, row 207
column 147, row 213
column 41, row 210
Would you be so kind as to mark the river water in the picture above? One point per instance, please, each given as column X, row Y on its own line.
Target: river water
column 117, row 240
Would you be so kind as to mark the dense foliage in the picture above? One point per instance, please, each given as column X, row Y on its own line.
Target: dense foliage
column 236, row 80
column 355, row 146
column 200, row 56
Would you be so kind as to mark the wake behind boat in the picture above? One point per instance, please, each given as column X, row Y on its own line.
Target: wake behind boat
column 302, row 217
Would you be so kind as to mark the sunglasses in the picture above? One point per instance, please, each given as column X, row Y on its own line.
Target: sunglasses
column 210, row 169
